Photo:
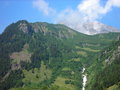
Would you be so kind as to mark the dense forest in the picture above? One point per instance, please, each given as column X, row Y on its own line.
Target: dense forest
column 106, row 69
column 43, row 56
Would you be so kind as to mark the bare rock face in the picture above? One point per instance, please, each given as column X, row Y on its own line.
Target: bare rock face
column 23, row 27
column 116, row 53
column 56, row 30
column 97, row 28
column 91, row 28
column 42, row 27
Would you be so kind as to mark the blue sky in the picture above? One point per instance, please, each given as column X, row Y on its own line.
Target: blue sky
column 68, row 12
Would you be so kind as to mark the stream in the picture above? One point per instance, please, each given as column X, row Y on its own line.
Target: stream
column 84, row 75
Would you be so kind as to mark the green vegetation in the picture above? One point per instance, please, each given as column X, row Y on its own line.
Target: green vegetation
column 82, row 53
column 52, row 87
column 36, row 75
column 76, row 59
column 87, row 49
column 66, row 69
column 43, row 56
column 114, row 87
column 106, row 75
column 22, row 55
column 65, row 83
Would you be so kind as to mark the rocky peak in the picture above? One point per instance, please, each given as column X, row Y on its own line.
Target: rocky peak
column 23, row 26
column 97, row 27
column 39, row 26
column 91, row 28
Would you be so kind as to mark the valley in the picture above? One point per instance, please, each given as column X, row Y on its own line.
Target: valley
column 43, row 56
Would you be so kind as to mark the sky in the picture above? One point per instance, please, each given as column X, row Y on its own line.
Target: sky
column 68, row 12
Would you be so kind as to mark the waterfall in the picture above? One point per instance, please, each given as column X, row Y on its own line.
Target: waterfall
column 84, row 78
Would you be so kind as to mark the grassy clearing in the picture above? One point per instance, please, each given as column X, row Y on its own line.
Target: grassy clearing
column 36, row 75
column 87, row 49
column 77, row 47
column 82, row 53
column 66, row 69
column 114, row 87
column 26, row 88
column 75, row 59
column 23, row 55
column 53, row 87
column 60, row 81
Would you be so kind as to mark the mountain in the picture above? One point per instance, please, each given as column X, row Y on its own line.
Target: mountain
column 43, row 56
column 105, row 71
column 92, row 28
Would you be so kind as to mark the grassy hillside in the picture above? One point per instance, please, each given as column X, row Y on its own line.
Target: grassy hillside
column 104, row 73
column 43, row 56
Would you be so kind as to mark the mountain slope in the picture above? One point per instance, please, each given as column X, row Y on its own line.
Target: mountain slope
column 104, row 73
column 47, row 56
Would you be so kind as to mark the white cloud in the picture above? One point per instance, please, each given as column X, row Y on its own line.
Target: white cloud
column 86, row 11
column 114, row 3
column 43, row 6
column 91, row 9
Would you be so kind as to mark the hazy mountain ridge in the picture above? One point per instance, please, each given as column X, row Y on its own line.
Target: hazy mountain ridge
column 92, row 28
